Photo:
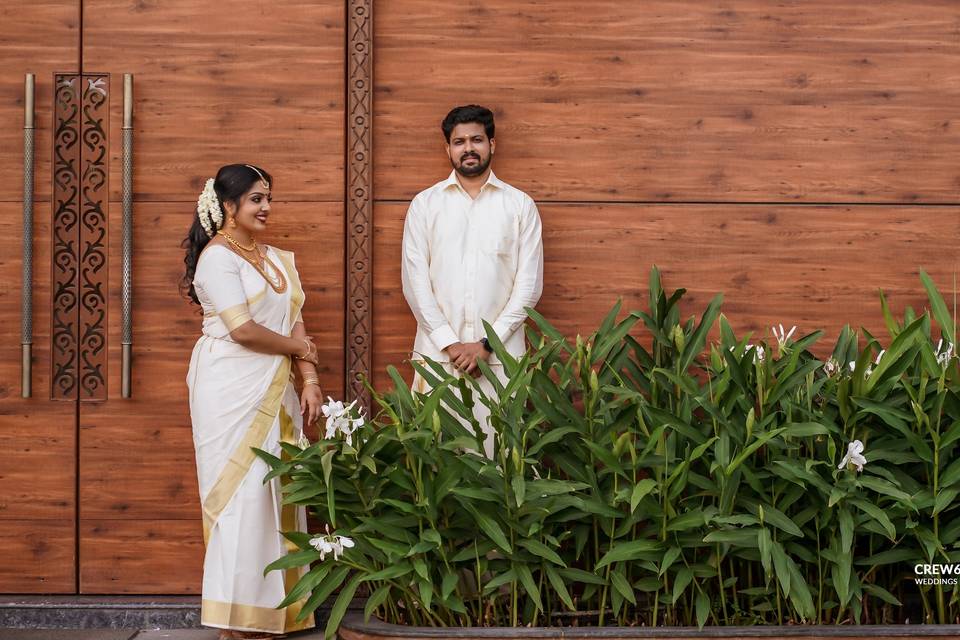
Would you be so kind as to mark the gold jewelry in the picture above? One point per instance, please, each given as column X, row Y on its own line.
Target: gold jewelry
column 263, row 181
column 278, row 283
column 315, row 381
column 233, row 222
column 229, row 238
column 307, row 354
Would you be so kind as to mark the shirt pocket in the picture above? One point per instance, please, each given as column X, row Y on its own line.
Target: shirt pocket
column 502, row 246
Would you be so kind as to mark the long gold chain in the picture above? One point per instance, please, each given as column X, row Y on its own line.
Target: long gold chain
column 279, row 284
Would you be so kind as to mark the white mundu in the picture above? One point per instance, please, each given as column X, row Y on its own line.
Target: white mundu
column 467, row 260
column 240, row 399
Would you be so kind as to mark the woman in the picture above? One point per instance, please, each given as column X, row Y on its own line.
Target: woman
column 242, row 396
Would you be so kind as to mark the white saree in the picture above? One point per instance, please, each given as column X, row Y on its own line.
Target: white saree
column 241, row 399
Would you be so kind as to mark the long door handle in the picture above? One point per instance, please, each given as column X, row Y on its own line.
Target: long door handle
column 126, row 294
column 26, row 299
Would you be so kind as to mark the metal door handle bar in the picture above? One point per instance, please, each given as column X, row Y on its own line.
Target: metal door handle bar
column 126, row 294
column 26, row 300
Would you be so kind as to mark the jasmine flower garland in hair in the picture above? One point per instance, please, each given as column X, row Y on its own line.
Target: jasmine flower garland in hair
column 208, row 209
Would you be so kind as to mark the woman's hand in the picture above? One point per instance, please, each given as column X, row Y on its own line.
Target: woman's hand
column 311, row 400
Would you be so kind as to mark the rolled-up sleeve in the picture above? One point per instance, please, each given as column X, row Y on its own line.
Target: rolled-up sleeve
column 528, row 283
column 415, row 277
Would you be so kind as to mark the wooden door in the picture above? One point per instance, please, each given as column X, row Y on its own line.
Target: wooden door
column 214, row 83
column 37, row 434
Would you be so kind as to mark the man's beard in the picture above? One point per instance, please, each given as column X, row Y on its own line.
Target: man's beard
column 470, row 172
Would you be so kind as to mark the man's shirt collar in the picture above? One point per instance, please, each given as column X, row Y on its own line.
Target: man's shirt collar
column 451, row 181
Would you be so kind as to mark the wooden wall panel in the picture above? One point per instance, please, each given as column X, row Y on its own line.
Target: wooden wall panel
column 136, row 557
column 37, row 435
column 136, row 454
column 817, row 267
column 37, row 556
column 216, row 83
column 746, row 100
column 41, row 38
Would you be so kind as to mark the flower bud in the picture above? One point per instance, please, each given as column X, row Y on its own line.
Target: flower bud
column 679, row 338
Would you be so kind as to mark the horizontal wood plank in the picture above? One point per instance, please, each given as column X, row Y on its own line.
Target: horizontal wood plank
column 263, row 84
column 141, row 557
column 814, row 267
column 37, row 556
column 679, row 101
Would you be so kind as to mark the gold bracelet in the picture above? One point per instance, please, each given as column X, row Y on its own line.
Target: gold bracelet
column 315, row 381
column 304, row 357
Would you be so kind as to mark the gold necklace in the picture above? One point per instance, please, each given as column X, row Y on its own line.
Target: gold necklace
column 278, row 284
column 235, row 242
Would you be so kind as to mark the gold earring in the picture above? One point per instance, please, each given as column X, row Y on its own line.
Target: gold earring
column 233, row 222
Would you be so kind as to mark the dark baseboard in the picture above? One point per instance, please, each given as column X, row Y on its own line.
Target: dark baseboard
column 99, row 612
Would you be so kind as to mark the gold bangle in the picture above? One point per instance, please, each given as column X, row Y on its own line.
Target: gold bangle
column 307, row 381
column 306, row 355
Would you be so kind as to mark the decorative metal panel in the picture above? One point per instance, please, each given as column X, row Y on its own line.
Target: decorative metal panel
column 94, row 195
column 80, row 231
column 66, row 238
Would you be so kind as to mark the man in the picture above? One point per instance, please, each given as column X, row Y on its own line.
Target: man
column 472, row 252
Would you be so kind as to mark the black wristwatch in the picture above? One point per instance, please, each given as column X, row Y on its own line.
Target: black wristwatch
column 486, row 345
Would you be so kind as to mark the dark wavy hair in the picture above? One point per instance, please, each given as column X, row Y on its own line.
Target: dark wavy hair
column 232, row 181
column 465, row 114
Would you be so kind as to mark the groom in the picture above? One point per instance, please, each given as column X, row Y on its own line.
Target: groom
column 472, row 251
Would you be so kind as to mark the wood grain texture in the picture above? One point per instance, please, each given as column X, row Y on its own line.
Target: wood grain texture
column 814, row 267
column 41, row 38
column 746, row 100
column 136, row 455
column 135, row 556
column 359, row 199
column 37, row 435
column 37, row 556
column 239, row 81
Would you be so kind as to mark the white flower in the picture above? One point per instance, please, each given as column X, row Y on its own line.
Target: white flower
column 757, row 355
column 879, row 355
column 304, row 441
column 208, row 209
column 331, row 543
column 340, row 419
column 831, row 367
column 781, row 336
column 943, row 357
column 853, row 367
column 854, row 456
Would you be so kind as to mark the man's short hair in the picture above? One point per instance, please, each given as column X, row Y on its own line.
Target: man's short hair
column 465, row 114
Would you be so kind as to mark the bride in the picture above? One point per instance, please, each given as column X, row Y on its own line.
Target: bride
column 241, row 396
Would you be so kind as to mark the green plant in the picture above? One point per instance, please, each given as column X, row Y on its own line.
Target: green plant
column 650, row 477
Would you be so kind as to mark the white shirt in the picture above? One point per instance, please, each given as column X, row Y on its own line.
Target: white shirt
column 468, row 260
